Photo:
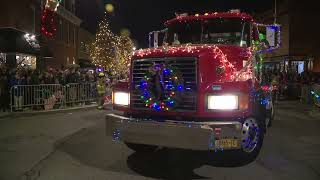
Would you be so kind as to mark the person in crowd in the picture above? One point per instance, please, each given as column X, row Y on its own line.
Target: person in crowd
column 4, row 90
column 101, row 88
column 19, row 90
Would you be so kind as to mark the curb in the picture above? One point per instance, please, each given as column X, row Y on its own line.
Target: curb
column 34, row 113
column 35, row 171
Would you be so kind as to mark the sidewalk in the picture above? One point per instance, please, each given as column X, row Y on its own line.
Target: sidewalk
column 26, row 139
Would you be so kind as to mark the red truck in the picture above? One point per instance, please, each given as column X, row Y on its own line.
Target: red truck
column 199, row 90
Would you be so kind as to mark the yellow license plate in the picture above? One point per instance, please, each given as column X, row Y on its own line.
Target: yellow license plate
column 227, row 143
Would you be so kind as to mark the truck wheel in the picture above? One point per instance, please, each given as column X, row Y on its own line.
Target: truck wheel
column 252, row 138
column 141, row 147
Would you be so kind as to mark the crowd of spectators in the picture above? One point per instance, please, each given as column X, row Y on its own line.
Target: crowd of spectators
column 291, row 85
column 63, row 76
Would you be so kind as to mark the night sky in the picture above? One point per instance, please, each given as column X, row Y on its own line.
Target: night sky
column 143, row 16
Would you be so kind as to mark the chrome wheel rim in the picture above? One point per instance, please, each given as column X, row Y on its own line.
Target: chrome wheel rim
column 250, row 135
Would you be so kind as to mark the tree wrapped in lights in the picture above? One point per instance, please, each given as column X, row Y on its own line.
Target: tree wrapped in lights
column 124, row 53
column 103, row 51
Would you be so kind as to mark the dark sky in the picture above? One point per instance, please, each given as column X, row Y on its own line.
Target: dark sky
column 143, row 16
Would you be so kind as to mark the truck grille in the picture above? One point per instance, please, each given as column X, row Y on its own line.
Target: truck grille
column 188, row 68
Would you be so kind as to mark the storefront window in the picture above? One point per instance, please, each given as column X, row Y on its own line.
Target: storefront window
column 26, row 61
column 2, row 58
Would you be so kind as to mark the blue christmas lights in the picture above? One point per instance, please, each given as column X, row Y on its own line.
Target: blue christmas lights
column 170, row 80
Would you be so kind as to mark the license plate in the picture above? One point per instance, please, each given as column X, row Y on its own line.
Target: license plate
column 227, row 143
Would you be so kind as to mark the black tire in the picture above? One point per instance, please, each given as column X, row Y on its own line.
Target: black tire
column 141, row 147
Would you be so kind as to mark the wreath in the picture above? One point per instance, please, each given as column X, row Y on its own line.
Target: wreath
column 48, row 23
column 161, row 88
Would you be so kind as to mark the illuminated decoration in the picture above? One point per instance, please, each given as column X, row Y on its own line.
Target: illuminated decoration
column 184, row 18
column 31, row 39
column 53, row 5
column 262, row 37
column 116, row 135
column 48, row 19
column 125, row 47
column 112, row 52
column 48, row 23
column 316, row 98
column 228, row 69
column 109, row 8
column 167, row 82
column 103, row 48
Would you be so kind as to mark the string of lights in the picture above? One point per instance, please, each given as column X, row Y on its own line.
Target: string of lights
column 111, row 51
column 171, row 82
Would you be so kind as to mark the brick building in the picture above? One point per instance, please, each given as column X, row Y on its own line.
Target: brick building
column 25, row 17
column 299, row 36
column 85, row 39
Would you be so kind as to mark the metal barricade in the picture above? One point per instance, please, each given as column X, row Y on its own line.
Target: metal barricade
column 50, row 96
column 80, row 93
column 44, row 96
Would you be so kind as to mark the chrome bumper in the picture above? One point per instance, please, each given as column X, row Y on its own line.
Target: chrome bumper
column 170, row 133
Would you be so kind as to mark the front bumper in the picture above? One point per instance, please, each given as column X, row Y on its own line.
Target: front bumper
column 174, row 134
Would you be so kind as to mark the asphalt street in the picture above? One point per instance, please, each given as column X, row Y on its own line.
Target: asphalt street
column 291, row 150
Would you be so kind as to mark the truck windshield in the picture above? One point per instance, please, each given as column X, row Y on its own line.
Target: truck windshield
column 230, row 31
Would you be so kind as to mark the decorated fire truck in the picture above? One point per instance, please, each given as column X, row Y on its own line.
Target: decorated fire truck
column 201, row 89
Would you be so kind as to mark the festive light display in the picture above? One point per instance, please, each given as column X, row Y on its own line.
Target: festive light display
column 125, row 48
column 316, row 97
column 48, row 22
column 53, row 4
column 103, row 50
column 111, row 51
column 167, row 82
column 228, row 70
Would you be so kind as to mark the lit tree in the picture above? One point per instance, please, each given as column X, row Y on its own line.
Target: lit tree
column 111, row 51
column 103, row 48
column 124, row 51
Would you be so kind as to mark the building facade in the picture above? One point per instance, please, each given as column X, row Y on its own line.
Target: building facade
column 57, row 51
column 85, row 40
column 299, row 41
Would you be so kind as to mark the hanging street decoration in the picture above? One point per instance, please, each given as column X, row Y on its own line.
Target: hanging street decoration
column 161, row 88
column 48, row 19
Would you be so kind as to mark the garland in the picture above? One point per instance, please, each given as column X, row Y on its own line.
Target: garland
column 161, row 87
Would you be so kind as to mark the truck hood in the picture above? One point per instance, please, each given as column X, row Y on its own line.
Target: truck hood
column 210, row 57
column 235, row 54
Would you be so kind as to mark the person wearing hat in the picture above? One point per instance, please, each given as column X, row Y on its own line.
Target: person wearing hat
column 101, row 88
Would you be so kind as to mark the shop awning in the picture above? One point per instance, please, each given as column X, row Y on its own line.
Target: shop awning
column 16, row 41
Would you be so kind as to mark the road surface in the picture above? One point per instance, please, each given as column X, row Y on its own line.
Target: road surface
column 291, row 150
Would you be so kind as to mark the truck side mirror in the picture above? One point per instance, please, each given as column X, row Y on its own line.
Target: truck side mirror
column 270, row 35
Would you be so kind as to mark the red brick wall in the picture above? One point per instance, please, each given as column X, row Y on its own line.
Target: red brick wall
column 20, row 15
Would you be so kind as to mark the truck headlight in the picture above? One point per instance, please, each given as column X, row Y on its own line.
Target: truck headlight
column 121, row 98
column 223, row 102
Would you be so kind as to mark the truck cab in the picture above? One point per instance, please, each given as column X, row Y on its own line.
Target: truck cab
column 200, row 89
